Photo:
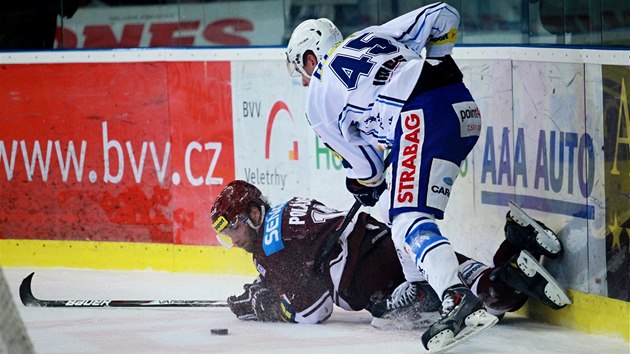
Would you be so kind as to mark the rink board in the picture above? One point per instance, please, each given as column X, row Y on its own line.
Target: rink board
column 157, row 133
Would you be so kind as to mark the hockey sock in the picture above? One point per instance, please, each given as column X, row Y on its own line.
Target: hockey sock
column 400, row 226
column 434, row 255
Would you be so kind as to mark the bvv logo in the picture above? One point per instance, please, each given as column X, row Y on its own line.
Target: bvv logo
column 278, row 107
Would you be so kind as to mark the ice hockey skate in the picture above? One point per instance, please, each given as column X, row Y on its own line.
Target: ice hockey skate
column 524, row 231
column 463, row 317
column 525, row 274
column 412, row 305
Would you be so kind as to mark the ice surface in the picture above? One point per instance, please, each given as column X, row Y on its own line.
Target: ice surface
column 172, row 330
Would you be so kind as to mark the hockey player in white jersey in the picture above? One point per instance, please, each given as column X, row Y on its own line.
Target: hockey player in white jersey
column 372, row 92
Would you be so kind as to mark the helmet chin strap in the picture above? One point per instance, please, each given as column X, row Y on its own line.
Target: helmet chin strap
column 302, row 71
column 262, row 217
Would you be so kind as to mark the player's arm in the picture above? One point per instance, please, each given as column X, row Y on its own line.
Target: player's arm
column 305, row 295
column 260, row 302
column 363, row 164
column 309, row 311
column 360, row 160
column 307, row 301
column 433, row 26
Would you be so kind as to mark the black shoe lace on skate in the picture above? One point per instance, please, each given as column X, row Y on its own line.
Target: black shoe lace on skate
column 404, row 295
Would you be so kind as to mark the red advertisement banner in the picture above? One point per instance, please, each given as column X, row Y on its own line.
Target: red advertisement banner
column 114, row 151
column 233, row 23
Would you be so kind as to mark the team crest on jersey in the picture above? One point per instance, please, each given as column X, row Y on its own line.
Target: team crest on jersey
column 272, row 237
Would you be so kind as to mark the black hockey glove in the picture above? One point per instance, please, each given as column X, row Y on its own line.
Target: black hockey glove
column 266, row 305
column 256, row 303
column 241, row 305
column 366, row 195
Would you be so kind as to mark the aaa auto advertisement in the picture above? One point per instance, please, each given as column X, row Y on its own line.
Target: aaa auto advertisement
column 536, row 149
column 114, row 151
column 212, row 24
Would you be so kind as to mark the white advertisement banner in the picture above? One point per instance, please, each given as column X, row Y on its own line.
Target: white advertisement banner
column 275, row 147
column 545, row 158
column 270, row 130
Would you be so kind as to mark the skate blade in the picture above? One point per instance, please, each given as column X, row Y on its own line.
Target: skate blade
column 476, row 323
column 394, row 324
column 553, row 291
column 545, row 238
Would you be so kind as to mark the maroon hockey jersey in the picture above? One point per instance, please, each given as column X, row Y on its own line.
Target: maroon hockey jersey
column 356, row 274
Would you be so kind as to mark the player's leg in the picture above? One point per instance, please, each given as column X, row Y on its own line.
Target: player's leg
column 497, row 296
column 413, row 303
column 530, row 234
column 526, row 275
column 431, row 142
column 463, row 314
column 517, row 259
column 423, row 171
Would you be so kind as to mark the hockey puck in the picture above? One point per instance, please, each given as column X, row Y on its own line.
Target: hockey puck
column 219, row 331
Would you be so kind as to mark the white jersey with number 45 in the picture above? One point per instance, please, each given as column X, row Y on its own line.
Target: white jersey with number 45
column 358, row 89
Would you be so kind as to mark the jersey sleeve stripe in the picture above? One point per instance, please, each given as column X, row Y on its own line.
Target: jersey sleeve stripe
column 413, row 25
column 423, row 23
column 319, row 303
column 371, row 155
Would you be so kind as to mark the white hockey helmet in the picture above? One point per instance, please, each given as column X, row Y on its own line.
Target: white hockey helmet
column 317, row 35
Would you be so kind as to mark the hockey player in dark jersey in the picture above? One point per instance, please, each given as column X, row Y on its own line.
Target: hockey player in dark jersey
column 364, row 270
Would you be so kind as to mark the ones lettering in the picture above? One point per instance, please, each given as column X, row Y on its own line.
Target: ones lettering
column 563, row 161
column 229, row 31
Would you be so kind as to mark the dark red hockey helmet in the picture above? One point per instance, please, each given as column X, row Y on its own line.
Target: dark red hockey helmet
column 235, row 199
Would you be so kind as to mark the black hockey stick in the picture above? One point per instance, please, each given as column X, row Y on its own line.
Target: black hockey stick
column 26, row 295
column 325, row 252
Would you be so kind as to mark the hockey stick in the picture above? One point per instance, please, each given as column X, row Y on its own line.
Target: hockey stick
column 325, row 252
column 26, row 295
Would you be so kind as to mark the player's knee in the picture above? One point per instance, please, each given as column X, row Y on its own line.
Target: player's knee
column 422, row 238
column 404, row 223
